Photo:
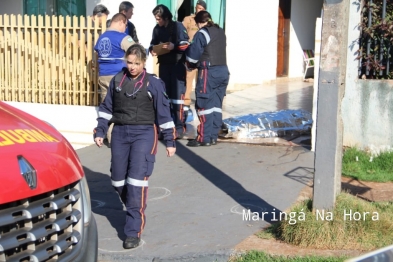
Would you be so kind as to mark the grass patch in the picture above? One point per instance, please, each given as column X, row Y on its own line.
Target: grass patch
column 256, row 256
column 336, row 232
column 269, row 232
column 379, row 170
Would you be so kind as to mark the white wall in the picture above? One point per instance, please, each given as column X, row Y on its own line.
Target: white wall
column 251, row 35
column 11, row 7
column 367, row 106
column 302, row 35
column 251, row 50
column 318, row 40
column 251, row 31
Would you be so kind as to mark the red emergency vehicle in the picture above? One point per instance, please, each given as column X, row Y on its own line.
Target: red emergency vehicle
column 45, row 208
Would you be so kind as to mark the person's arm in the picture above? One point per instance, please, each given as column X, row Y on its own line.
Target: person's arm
column 162, row 109
column 186, row 23
column 182, row 37
column 133, row 33
column 195, row 50
column 127, row 42
column 154, row 40
column 182, row 42
column 104, row 115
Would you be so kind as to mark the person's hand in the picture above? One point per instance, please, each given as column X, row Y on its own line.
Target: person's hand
column 170, row 151
column 153, row 53
column 169, row 47
column 189, row 67
column 99, row 141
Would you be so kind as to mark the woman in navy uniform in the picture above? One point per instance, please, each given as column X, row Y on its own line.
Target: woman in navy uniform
column 207, row 52
column 135, row 101
column 171, row 65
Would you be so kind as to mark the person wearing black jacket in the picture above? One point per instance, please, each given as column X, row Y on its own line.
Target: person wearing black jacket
column 127, row 9
column 208, row 53
column 171, row 64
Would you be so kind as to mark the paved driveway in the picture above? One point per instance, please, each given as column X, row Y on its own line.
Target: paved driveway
column 196, row 199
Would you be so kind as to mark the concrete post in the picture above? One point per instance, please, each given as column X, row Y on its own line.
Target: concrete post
column 329, row 130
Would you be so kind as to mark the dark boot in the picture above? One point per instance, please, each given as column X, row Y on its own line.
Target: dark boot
column 195, row 143
column 224, row 128
column 131, row 242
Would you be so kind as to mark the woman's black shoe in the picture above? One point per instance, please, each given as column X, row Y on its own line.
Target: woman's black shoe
column 131, row 242
column 195, row 143
column 224, row 128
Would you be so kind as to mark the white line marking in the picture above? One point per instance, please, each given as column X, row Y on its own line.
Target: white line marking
column 245, row 206
column 99, row 203
column 166, row 194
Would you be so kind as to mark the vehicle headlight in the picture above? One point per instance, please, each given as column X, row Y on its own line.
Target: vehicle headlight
column 86, row 204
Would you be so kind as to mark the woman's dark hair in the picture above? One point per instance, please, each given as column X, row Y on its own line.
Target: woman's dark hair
column 163, row 12
column 137, row 50
column 203, row 17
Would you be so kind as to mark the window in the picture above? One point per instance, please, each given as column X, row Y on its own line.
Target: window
column 71, row 7
column 216, row 8
column 39, row 7
column 55, row 7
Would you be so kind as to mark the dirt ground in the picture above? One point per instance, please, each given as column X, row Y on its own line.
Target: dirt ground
column 370, row 191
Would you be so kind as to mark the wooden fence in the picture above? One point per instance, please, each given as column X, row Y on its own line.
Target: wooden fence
column 48, row 60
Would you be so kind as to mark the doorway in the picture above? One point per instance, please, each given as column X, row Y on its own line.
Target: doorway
column 185, row 9
column 284, row 23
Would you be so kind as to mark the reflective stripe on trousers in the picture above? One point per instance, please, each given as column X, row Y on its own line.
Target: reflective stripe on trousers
column 210, row 91
column 133, row 150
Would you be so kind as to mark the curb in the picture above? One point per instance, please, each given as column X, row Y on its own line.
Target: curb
column 299, row 141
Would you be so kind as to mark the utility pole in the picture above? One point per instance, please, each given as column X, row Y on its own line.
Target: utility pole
column 329, row 129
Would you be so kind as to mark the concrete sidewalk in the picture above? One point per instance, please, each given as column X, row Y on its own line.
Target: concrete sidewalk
column 264, row 98
column 197, row 198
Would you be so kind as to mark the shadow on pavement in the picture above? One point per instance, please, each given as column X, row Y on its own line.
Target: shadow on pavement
column 105, row 201
column 228, row 185
column 301, row 174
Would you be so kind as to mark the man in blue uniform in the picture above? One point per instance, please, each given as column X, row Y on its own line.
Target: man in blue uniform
column 208, row 53
column 136, row 101
column 171, row 64
column 111, row 46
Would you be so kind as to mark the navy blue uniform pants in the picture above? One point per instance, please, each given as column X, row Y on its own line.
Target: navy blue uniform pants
column 133, row 150
column 174, row 76
column 210, row 91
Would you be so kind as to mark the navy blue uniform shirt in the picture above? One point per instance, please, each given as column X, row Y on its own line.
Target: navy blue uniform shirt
column 156, row 87
column 197, row 47
column 175, row 33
